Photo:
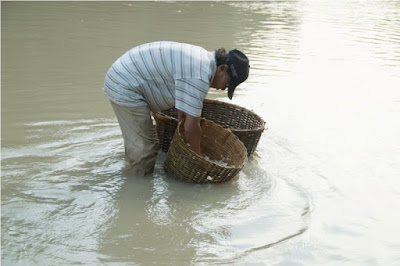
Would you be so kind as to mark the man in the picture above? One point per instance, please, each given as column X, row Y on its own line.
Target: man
column 159, row 75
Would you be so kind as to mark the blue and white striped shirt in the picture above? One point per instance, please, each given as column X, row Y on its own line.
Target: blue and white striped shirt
column 161, row 75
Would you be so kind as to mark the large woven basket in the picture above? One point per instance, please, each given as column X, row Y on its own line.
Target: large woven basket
column 244, row 123
column 218, row 143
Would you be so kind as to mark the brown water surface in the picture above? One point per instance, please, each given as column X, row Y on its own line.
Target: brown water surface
column 323, row 188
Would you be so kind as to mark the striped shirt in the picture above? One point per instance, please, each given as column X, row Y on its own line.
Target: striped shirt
column 162, row 75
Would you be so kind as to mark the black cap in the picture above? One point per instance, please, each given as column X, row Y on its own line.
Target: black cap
column 238, row 64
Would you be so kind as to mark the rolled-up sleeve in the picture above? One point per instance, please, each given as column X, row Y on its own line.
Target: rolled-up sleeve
column 190, row 94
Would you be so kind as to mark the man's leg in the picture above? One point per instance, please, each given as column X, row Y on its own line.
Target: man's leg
column 140, row 137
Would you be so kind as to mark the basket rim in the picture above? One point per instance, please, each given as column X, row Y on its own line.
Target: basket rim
column 161, row 114
column 260, row 128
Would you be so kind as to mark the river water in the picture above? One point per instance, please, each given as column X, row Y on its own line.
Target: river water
column 322, row 189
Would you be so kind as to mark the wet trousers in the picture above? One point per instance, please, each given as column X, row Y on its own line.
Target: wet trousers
column 140, row 137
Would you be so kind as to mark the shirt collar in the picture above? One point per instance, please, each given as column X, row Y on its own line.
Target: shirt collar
column 213, row 65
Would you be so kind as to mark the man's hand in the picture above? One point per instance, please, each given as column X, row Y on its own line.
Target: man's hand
column 192, row 132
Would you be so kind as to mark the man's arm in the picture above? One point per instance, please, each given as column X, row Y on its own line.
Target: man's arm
column 181, row 115
column 193, row 132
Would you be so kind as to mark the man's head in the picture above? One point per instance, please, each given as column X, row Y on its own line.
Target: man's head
column 232, row 69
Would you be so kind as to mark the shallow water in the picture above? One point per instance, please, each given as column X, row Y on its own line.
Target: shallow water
column 322, row 188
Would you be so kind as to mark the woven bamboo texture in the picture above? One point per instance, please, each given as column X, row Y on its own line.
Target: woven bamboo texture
column 217, row 143
column 166, row 122
column 244, row 123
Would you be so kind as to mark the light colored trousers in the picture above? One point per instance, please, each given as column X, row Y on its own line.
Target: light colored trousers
column 140, row 137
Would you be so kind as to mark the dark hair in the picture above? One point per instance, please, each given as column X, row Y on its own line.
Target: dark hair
column 220, row 56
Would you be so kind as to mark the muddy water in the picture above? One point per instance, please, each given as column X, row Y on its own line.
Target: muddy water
column 322, row 189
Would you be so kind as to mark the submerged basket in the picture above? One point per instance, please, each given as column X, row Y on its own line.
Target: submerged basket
column 217, row 143
column 244, row 123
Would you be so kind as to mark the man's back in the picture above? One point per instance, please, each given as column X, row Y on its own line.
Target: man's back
column 159, row 73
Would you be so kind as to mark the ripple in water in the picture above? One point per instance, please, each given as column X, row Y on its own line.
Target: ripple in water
column 69, row 192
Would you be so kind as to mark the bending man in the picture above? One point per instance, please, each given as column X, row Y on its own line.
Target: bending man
column 159, row 75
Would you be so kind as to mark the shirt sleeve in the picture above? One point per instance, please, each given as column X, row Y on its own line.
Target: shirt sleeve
column 189, row 95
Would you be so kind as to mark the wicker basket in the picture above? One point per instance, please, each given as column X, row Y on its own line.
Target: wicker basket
column 218, row 143
column 244, row 123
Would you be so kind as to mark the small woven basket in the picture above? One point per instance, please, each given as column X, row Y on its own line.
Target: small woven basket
column 244, row 123
column 218, row 143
